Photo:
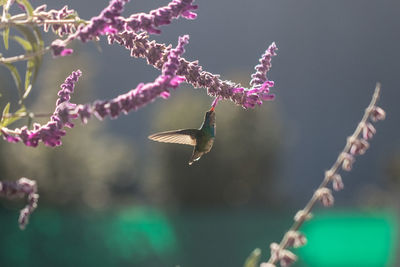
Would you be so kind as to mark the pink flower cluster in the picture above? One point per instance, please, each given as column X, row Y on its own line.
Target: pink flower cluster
column 22, row 187
column 125, row 32
column 160, row 16
column 156, row 55
column 110, row 21
column 142, row 95
column 175, row 70
column 60, row 28
column 50, row 133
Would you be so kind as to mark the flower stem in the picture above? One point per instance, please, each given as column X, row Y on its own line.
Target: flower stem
column 24, row 56
column 328, row 174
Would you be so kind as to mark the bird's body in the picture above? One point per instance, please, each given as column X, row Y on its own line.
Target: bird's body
column 202, row 139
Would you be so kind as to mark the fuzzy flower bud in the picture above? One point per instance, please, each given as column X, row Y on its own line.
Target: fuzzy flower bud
column 285, row 257
column 377, row 114
column 302, row 215
column 358, row 146
column 337, row 182
column 58, row 48
column 368, row 131
column 325, row 196
column 348, row 161
column 295, row 239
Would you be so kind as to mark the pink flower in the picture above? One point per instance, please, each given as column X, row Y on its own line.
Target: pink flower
column 51, row 132
column 377, row 113
column 20, row 188
column 325, row 196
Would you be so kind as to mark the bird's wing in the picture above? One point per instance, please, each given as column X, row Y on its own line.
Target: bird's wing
column 185, row 137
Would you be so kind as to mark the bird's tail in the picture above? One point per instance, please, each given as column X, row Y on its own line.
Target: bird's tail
column 195, row 156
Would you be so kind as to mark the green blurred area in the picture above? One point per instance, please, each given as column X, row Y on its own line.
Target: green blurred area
column 351, row 239
column 144, row 236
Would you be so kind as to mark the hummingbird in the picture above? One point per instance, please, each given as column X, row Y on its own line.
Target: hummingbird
column 202, row 139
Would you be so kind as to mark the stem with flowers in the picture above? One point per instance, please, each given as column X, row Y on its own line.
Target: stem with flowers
column 356, row 144
column 18, row 189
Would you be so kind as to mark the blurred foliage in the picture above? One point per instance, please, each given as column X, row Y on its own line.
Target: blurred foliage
column 386, row 193
column 92, row 167
column 239, row 170
column 393, row 171
column 254, row 258
column 139, row 236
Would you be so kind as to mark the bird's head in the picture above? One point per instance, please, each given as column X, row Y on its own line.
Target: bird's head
column 210, row 116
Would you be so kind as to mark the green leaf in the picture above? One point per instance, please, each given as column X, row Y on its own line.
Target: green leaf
column 30, row 68
column 17, row 115
column 33, row 36
column 6, row 33
column 16, row 76
column 253, row 259
column 28, row 34
column 2, row 2
column 27, row 5
column 38, row 36
column 27, row 91
column 5, row 112
column 38, row 59
column 7, row 119
column 24, row 43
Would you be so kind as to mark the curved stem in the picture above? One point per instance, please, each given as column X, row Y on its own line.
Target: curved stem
column 28, row 114
column 307, row 209
column 24, row 57
column 6, row 7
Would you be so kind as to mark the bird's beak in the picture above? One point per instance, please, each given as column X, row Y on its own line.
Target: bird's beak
column 212, row 108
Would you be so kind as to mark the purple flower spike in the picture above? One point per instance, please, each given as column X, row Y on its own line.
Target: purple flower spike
column 10, row 138
column 142, row 95
column 59, row 28
column 156, row 55
column 20, row 188
column 109, row 21
column 259, row 77
column 171, row 66
column 160, row 16
column 50, row 133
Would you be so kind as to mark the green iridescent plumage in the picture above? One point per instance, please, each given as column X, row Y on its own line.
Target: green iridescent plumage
column 202, row 139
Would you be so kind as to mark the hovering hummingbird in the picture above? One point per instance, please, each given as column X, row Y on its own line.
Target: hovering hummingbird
column 202, row 139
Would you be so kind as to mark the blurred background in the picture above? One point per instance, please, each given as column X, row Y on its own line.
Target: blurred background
column 111, row 197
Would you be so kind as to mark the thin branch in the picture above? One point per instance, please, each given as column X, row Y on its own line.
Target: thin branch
column 306, row 212
column 37, row 21
column 24, row 57
column 6, row 7
column 27, row 114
